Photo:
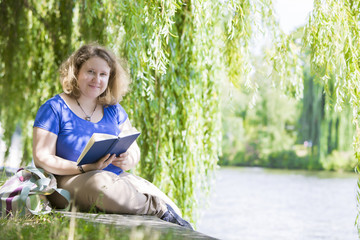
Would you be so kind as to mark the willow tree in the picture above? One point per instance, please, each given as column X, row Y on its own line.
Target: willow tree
column 177, row 52
column 330, row 131
column 34, row 40
column 332, row 37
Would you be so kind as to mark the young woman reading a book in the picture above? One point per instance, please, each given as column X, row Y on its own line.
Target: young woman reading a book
column 94, row 82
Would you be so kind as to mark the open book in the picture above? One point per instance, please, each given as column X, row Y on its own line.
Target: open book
column 101, row 144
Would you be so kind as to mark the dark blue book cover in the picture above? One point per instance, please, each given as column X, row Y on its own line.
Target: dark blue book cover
column 96, row 149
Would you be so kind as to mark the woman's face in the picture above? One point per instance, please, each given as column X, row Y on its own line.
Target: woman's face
column 93, row 77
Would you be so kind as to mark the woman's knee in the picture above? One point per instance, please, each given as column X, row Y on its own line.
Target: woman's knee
column 99, row 180
column 97, row 183
column 88, row 189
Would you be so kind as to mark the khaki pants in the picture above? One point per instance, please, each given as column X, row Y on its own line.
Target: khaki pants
column 111, row 193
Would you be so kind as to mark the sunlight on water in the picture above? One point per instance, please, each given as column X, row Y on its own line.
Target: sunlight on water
column 256, row 203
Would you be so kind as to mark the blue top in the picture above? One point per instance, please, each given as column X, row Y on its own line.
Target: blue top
column 74, row 132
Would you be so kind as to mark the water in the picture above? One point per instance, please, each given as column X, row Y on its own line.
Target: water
column 256, row 203
column 12, row 162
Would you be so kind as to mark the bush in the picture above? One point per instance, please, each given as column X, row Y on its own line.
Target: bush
column 339, row 161
column 248, row 157
column 287, row 159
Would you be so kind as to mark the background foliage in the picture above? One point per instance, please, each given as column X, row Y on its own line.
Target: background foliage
column 284, row 132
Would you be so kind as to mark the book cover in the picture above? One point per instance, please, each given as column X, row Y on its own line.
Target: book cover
column 101, row 144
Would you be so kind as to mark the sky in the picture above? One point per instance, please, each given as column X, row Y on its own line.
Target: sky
column 292, row 13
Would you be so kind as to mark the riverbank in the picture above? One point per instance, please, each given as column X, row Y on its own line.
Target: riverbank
column 297, row 158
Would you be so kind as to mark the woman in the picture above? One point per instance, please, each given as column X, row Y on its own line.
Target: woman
column 93, row 83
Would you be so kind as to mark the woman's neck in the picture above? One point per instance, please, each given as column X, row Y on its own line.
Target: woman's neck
column 87, row 102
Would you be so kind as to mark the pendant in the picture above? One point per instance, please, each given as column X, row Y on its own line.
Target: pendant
column 87, row 118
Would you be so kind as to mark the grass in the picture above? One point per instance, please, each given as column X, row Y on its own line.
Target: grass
column 3, row 177
column 55, row 226
column 34, row 227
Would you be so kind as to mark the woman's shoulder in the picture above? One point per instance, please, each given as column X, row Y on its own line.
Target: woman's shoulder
column 116, row 107
column 56, row 103
column 54, row 100
column 48, row 115
column 117, row 111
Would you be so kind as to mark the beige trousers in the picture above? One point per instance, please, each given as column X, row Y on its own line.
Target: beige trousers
column 111, row 193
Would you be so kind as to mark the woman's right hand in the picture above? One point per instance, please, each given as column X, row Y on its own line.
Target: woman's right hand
column 101, row 164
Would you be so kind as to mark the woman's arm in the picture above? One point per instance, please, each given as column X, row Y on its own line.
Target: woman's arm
column 44, row 148
column 131, row 157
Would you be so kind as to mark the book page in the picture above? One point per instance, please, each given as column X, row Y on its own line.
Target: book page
column 102, row 136
column 95, row 138
column 128, row 132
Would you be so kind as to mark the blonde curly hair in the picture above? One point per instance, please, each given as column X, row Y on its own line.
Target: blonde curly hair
column 119, row 79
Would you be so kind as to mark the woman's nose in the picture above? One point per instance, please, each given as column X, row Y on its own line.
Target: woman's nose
column 96, row 78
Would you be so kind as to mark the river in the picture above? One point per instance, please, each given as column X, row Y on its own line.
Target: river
column 257, row 203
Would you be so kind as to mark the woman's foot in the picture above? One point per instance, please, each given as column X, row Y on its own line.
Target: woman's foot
column 171, row 216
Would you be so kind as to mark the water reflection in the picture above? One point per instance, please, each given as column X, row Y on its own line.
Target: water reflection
column 256, row 203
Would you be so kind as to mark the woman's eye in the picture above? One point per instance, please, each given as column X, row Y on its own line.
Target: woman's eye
column 90, row 71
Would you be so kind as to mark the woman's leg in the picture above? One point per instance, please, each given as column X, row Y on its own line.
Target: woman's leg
column 125, row 193
column 144, row 186
column 111, row 193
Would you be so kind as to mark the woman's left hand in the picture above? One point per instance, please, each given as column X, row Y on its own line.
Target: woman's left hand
column 123, row 161
column 131, row 157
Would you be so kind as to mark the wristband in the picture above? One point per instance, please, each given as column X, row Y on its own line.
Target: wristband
column 81, row 169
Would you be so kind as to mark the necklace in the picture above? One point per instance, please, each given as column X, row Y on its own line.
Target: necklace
column 88, row 117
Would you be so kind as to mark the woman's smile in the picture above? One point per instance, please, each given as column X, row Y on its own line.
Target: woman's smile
column 93, row 77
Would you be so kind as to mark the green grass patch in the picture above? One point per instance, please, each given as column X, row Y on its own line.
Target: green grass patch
column 55, row 226
column 3, row 177
column 34, row 227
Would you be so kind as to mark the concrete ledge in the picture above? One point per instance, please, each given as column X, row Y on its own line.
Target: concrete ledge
column 152, row 225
